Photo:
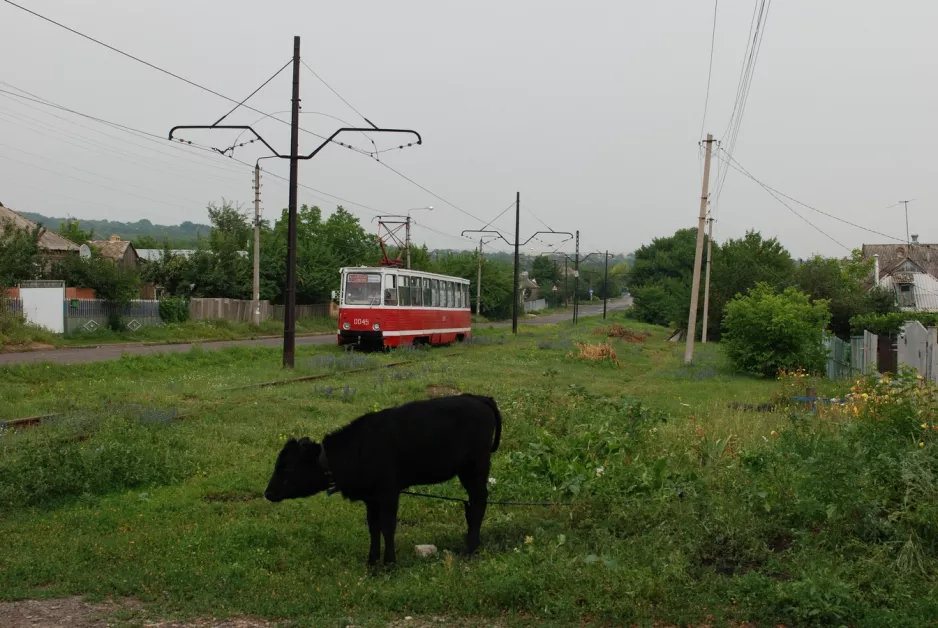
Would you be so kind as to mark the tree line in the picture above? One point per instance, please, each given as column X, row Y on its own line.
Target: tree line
column 661, row 278
column 220, row 263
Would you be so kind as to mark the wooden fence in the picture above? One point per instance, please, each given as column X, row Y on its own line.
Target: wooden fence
column 302, row 311
column 234, row 310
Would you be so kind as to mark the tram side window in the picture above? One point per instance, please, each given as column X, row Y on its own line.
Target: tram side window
column 405, row 290
column 435, row 286
column 450, row 294
column 427, row 293
column 458, row 288
column 390, row 290
column 465, row 296
column 416, row 295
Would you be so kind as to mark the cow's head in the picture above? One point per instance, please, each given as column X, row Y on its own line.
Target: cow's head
column 298, row 472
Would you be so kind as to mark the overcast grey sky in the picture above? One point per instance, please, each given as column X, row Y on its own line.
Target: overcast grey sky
column 592, row 110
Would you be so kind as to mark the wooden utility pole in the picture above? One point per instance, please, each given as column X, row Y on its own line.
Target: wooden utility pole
column 605, row 284
column 256, row 304
column 289, row 310
column 706, row 310
column 695, row 285
column 517, row 297
column 576, row 279
column 479, row 282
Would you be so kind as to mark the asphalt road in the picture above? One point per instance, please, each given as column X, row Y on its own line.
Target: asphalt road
column 114, row 352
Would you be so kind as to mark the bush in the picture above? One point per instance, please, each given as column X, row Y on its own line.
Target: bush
column 890, row 323
column 765, row 332
column 174, row 310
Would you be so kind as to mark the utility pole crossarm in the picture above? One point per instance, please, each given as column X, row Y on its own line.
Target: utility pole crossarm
column 328, row 140
column 537, row 233
column 482, row 231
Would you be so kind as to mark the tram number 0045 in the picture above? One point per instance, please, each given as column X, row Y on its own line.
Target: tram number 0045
column 359, row 321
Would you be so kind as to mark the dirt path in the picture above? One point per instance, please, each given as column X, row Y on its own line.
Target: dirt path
column 114, row 352
column 72, row 612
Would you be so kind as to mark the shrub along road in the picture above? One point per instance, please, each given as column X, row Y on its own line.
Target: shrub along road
column 115, row 351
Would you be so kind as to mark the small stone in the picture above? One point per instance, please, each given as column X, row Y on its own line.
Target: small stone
column 425, row 550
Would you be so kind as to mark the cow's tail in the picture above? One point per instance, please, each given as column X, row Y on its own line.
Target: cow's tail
column 498, row 421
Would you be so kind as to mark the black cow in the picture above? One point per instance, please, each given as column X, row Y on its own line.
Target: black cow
column 376, row 456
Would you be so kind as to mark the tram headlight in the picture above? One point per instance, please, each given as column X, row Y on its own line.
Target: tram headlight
column 346, row 326
column 376, row 327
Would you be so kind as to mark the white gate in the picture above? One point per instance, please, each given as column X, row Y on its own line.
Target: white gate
column 44, row 304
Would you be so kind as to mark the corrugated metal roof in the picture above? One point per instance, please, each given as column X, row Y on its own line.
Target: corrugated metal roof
column 924, row 292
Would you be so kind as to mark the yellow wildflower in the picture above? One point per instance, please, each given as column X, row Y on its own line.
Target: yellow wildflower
column 921, row 444
column 528, row 540
column 924, row 426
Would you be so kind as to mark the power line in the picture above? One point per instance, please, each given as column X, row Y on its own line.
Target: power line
column 739, row 168
column 377, row 152
column 792, row 210
column 731, row 133
column 105, row 149
column 433, row 194
column 143, row 134
column 263, row 85
column 713, row 35
column 145, row 198
column 91, row 172
column 153, row 66
column 323, row 81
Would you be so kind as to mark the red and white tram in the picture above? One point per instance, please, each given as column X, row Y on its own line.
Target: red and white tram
column 386, row 306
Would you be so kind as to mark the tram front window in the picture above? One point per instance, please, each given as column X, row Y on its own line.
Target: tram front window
column 363, row 289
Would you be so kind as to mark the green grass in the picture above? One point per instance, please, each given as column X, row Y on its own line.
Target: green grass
column 189, row 331
column 677, row 508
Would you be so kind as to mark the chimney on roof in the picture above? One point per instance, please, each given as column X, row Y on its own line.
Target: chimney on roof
column 876, row 269
column 115, row 238
column 914, row 238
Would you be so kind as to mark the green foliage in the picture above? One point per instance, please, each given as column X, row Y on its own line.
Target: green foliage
column 182, row 236
column 661, row 276
column 115, row 285
column 842, row 283
column 544, row 270
column 765, row 332
column 738, row 265
column 890, row 323
column 82, row 456
column 70, row 230
column 174, row 310
column 675, row 510
column 21, row 258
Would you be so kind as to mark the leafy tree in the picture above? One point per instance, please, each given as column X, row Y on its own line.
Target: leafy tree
column 544, row 270
column 765, row 331
column 738, row 265
column 146, row 242
column 114, row 285
column 71, row 231
column 21, row 256
column 661, row 277
column 843, row 284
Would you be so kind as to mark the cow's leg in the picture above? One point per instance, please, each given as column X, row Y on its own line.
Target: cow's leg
column 374, row 528
column 388, row 526
column 474, row 478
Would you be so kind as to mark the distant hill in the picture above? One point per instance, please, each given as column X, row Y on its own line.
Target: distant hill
column 179, row 236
